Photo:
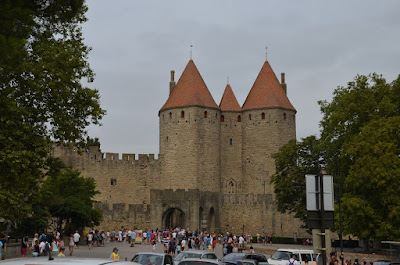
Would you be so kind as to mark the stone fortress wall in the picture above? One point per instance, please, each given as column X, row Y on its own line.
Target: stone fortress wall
column 213, row 173
column 124, row 184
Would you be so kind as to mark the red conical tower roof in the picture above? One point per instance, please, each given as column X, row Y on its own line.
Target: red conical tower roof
column 190, row 91
column 267, row 92
column 229, row 101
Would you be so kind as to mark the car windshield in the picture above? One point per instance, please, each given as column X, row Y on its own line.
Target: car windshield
column 281, row 255
column 148, row 259
column 184, row 255
column 234, row 256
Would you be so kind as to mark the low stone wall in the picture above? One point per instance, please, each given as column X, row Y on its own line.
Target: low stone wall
column 14, row 250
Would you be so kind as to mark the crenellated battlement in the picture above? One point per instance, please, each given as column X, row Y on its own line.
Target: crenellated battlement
column 129, row 157
column 116, row 156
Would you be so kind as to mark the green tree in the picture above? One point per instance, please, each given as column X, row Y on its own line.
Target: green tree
column 366, row 98
column 43, row 62
column 293, row 161
column 371, row 201
column 69, row 199
column 92, row 142
column 367, row 101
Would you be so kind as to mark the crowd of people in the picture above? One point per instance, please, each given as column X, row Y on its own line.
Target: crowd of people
column 173, row 240
column 179, row 239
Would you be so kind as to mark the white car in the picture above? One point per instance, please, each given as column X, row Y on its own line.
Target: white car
column 195, row 254
column 282, row 255
column 153, row 258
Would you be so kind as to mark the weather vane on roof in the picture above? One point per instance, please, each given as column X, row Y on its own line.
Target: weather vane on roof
column 191, row 46
column 266, row 53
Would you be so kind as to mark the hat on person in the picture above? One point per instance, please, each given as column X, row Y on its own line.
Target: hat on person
column 62, row 248
column 115, row 249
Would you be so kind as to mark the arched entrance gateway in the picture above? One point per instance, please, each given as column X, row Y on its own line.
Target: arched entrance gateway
column 211, row 221
column 173, row 218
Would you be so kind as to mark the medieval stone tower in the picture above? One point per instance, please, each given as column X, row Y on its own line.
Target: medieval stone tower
column 214, row 168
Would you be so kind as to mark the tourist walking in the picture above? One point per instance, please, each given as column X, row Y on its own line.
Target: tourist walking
column 77, row 236
column 71, row 244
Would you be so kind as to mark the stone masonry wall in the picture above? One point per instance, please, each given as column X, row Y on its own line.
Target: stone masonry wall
column 123, row 184
column 217, row 173
column 261, row 139
column 189, row 148
column 231, row 153
column 256, row 213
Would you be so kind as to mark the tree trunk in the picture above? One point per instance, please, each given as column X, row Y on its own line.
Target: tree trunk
column 365, row 243
column 377, row 244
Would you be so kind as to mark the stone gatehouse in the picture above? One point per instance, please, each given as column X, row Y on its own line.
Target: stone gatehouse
column 214, row 167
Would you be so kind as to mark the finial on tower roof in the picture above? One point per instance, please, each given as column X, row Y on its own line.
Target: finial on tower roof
column 191, row 55
column 266, row 53
column 227, row 81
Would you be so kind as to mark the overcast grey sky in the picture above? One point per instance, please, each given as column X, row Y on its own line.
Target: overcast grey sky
column 318, row 44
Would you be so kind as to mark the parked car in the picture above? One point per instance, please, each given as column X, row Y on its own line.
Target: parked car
column 195, row 261
column 196, row 254
column 242, row 262
column 262, row 260
column 282, row 255
column 386, row 262
column 153, row 258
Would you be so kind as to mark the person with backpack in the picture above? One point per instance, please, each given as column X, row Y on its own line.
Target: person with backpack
column 49, row 245
column 292, row 260
column 24, row 246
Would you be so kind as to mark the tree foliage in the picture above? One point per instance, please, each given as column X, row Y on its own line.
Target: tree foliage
column 371, row 202
column 366, row 98
column 359, row 145
column 69, row 199
column 43, row 62
column 293, row 162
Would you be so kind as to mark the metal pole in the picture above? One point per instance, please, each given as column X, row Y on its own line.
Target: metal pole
column 340, row 227
column 321, row 215
column 340, row 217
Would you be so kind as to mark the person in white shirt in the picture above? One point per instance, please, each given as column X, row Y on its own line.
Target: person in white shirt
column 42, row 245
column 292, row 260
column 183, row 244
column 90, row 239
column 129, row 236
column 120, row 236
column 77, row 236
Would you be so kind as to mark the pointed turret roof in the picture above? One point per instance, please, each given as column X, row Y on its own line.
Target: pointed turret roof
column 190, row 91
column 267, row 92
column 229, row 101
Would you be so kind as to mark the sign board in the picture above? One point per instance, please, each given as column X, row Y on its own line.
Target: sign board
column 313, row 193
column 318, row 220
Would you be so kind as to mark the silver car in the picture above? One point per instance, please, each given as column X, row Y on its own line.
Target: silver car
column 153, row 258
column 195, row 254
column 191, row 261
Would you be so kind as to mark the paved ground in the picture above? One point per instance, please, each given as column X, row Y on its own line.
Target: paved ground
column 128, row 252
column 125, row 250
